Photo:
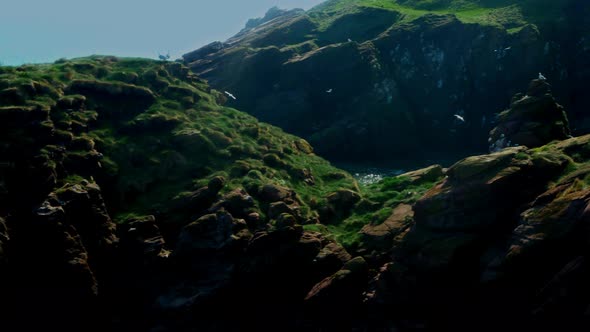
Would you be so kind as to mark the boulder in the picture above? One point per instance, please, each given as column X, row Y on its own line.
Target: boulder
column 141, row 240
column 380, row 237
column 275, row 209
column 273, row 193
column 236, row 202
column 429, row 174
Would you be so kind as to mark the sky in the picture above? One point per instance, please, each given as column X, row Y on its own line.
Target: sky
column 41, row 31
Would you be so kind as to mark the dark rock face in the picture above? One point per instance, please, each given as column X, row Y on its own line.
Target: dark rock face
column 395, row 86
column 533, row 120
column 493, row 243
column 73, row 239
column 338, row 296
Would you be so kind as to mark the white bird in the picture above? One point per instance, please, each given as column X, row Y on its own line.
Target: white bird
column 541, row 77
column 349, row 40
column 458, row 117
column 329, row 91
column 230, row 95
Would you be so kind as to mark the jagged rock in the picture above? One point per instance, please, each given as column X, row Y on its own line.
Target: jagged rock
column 190, row 205
column 555, row 225
column 331, row 258
column 380, row 237
column 428, row 174
column 142, row 241
column 532, row 120
column 236, row 202
column 87, row 211
column 49, row 239
column 480, row 189
column 491, row 211
column 339, row 293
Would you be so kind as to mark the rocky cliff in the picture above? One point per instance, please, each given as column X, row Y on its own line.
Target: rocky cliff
column 382, row 80
column 132, row 201
column 130, row 197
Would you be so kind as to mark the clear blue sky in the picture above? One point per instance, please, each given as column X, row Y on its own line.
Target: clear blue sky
column 34, row 31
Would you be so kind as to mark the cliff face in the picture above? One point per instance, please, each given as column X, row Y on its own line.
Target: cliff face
column 131, row 201
column 382, row 80
column 129, row 194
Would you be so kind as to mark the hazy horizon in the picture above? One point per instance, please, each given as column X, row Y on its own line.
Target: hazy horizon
column 36, row 31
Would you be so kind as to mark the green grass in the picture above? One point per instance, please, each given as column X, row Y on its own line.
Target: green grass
column 379, row 201
column 511, row 15
column 175, row 145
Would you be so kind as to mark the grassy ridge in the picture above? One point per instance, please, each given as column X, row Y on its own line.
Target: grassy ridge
column 508, row 14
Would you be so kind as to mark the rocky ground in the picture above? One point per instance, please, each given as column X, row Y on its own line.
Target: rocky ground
column 131, row 200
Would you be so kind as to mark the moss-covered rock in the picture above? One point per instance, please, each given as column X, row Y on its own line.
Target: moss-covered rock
column 533, row 120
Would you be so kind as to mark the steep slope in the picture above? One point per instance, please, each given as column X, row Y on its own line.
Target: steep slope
column 381, row 80
column 132, row 201
column 141, row 200
column 128, row 193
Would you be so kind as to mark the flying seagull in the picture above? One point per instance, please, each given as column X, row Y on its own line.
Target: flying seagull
column 541, row 77
column 458, row 117
column 230, row 95
column 329, row 91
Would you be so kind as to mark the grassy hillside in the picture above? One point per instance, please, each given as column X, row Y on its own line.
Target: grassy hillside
column 151, row 132
column 153, row 135
column 509, row 14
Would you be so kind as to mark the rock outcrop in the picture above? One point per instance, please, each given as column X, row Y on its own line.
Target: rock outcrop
column 495, row 239
column 533, row 119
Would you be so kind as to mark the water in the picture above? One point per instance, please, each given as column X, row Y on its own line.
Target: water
column 369, row 173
